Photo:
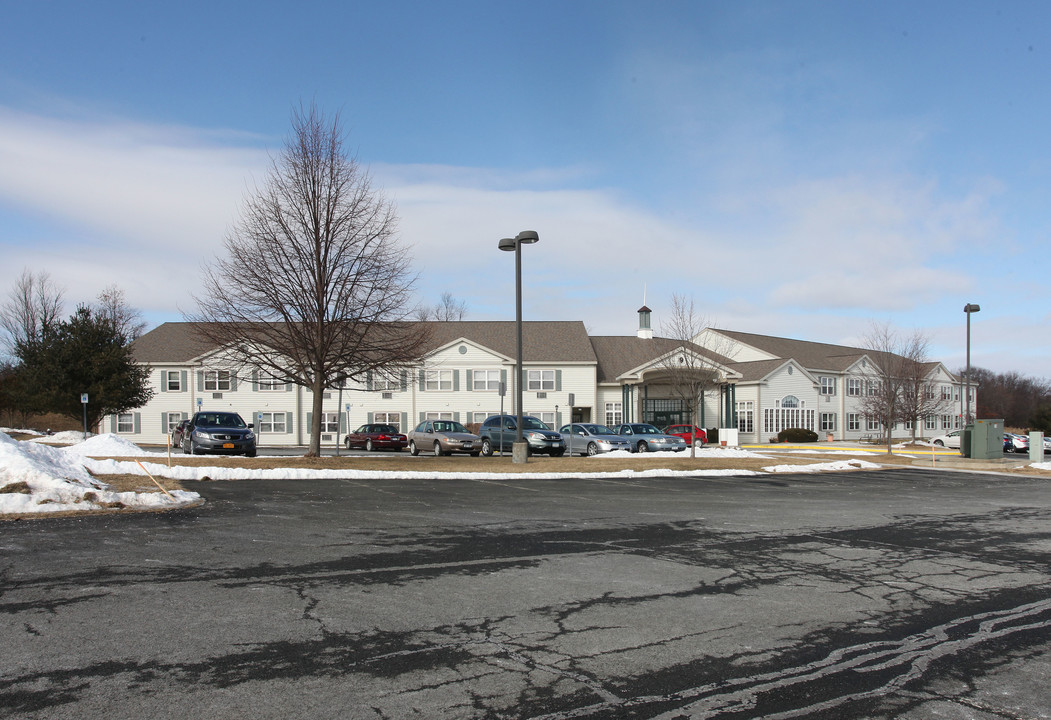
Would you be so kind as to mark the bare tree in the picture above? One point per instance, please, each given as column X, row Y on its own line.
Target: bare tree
column 127, row 321
column 312, row 285
column 896, row 382
column 448, row 309
column 690, row 370
column 33, row 304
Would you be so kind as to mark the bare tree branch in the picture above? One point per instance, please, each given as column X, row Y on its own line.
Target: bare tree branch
column 313, row 285
column 127, row 321
column 33, row 304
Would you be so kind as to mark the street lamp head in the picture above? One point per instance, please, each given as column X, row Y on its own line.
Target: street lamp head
column 527, row 237
column 508, row 244
column 971, row 308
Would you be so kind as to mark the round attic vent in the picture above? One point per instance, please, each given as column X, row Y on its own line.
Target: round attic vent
column 463, row 349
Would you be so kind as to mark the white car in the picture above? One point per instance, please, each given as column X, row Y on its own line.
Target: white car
column 950, row 440
column 592, row 439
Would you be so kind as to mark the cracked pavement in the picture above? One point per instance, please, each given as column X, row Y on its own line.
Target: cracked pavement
column 881, row 594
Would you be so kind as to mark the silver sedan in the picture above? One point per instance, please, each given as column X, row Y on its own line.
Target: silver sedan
column 647, row 438
column 592, row 439
column 444, row 437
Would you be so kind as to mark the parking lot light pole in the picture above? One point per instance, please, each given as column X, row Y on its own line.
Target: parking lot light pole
column 519, row 450
column 968, row 309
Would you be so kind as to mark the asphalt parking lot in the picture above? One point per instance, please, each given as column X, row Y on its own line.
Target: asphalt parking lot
column 883, row 594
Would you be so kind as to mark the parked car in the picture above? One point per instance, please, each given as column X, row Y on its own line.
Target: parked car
column 224, row 433
column 1047, row 443
column 647, row 438
column 178, row 432
column 499, row 432
column 376, row 436
column 949, row 440
column 592, row 439
column 1016, row 443
column 444, row 437
column 692, row 434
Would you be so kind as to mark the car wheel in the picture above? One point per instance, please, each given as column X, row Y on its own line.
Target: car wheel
column 939, row 443
column 250, row 453
column 558, row 453
column 346, row 441
column 413, row 450
column 194, row 450
column 698, row 443
column 641, row 447
column 368, row 445
column 487, row 447
column 437, row 448
column 592, row 449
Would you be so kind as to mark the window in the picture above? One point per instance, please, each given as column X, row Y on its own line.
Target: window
column 329, row 422
column 908, row 424
column 872, row 423
column 541, row 380
column 386, row 381
column 272, row 422
column 174, row 418
column 928, row 392
column 853, row 421
column 481, row 417
column 614, row 413
column 746, row 416
column 126, row 423
column 267, row 381
column 174, row 384
column 485, row 380
column 946, row 392
column 872, row 387
column 828, row 385
column 438, row 416
column 790, row 401
column 780, row 418
column 216, row 379
column 439, row 380
column 930, row 423
column 828, row 421
column 854, row 387
column 946, row 422
column 391, row 418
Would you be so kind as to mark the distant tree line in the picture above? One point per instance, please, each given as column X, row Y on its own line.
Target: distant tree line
column 1023, row 402
column 51, row 362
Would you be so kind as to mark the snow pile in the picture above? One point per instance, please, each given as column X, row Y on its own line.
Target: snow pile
column 21, row 431
column 107, row 445
column 66, row 437
column 36, row 478
column 824, row 467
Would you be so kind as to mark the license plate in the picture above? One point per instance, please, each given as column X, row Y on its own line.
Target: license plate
column 228, row 446
column 467, row 446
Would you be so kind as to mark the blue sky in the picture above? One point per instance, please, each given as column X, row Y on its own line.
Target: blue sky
column 797, row 168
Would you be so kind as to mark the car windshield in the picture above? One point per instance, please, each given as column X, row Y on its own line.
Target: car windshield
column 598, row 430
column 644, row 429
column 384, row 429
column 226, row 420
column 446, row 426
column 531, row 423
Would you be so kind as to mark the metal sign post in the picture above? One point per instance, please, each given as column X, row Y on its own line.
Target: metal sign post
column 84, row 402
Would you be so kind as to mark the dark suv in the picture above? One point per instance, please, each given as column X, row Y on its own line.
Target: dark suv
column 224, row 433
column 499, row 433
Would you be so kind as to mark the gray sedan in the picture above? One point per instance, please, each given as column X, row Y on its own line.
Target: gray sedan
column 647, row 438
column 444, row 437
column 592, row 439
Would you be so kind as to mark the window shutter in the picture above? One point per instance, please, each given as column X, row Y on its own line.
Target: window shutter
column 200, row 381
column 423, row 380
column 289, row 385
column 288, row 423
column 405, row 422
column 255, row 380
column 525, row 379
column 310, row 421
column 368, row 380
column 470, row 379
column 456, row 416
column 183, row 387
column 558, row 380
column 255, row 418
column 456, row 380
column 113, row 424
column 138, row 423
column 233, row 382
column 164, row 381
column 423, row 416
column 404, row 380
column 164, row 423
column 369, row 418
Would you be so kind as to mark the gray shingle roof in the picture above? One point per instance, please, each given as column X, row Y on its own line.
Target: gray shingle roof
column 619, row 354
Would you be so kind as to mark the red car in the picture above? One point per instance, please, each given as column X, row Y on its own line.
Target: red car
column 690, row 433
column 376, row 437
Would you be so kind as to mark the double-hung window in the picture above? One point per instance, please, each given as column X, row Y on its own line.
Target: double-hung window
column 854, row 387
column 853, row 421
column 438, row 380
column 386, row 381
column 540, row 380
column 217, row 380
column 126, row 423
column 485, row 380
column 828, row 385
column 391, row 418
column 272, row 422
column 828, row 421
column 174, row 381
column 614, row 413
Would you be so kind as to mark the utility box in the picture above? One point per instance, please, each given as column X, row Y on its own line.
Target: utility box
column 987, row 440
column 1036, row 446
